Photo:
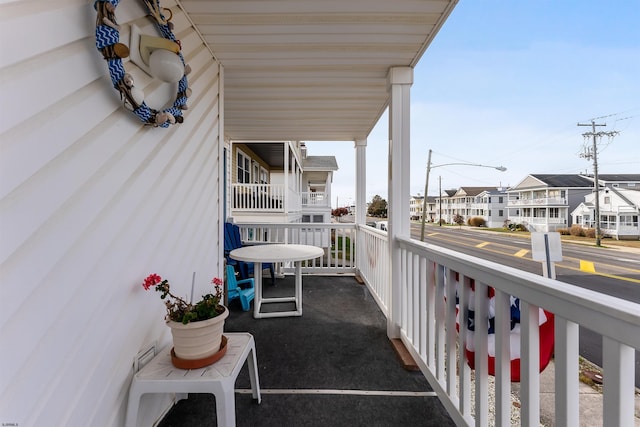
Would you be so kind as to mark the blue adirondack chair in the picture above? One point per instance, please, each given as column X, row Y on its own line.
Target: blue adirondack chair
column 234, row 290
column 233, row 241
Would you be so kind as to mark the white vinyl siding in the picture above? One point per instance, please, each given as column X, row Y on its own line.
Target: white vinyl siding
column 91, row 201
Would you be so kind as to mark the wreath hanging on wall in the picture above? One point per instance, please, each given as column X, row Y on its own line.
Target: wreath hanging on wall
column 108, row 43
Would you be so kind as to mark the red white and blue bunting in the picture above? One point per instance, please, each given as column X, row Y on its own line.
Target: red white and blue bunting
column 546, row 330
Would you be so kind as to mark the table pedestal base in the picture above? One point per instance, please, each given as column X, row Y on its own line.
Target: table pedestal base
column 259, row 300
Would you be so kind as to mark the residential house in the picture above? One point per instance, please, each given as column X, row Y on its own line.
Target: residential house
column 443, row 209
column 415, row 207
column 93, row 198
column 487, row 203
column 619, row 211
column 543, row 202
column 490, row 205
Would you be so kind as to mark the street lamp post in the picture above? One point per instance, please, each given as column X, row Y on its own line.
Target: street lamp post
column 426, row 185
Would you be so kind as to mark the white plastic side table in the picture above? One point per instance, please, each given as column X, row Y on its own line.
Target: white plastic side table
column 160, row 376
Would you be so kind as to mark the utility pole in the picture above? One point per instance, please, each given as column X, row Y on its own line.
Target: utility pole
column 440, row 200
column 424, row 201
column 593, row 154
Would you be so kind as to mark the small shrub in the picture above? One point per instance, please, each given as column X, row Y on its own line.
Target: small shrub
column 563, row 231
column 577, row 231
column 476, row 221
column 521, row 227
column 458, row 219
column 590, row 232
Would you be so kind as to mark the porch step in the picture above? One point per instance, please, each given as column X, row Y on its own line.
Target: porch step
column 403, row 354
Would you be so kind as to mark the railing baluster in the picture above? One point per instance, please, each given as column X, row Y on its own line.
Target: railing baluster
column 414, row 284
column 440, row 323
column 566, row 372
column 503, row 359
column 481, row 323
column 463, row 366
column 530, row 364
column 422, row 297
column 431, row 313
column 451, row 361
column 618, row 365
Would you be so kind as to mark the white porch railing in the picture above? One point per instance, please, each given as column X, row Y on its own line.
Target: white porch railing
column 428, row 327
column 337, row 240
column 314, row 199
column 427, row 322
column 537, row 220
column 258, row 197
column 542, row 201
column 373, row 264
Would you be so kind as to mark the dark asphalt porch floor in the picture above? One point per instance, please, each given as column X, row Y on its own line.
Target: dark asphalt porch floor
column 339, row 346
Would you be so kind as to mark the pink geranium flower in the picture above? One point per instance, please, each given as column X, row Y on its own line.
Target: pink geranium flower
column 178, row 309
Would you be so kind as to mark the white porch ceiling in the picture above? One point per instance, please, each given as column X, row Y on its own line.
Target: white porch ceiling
column 312, row 69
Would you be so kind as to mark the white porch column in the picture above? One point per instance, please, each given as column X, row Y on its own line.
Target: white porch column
column 400, row 80
column 286, row 178
column 361, row 181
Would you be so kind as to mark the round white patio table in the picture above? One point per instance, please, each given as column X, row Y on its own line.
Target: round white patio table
column 259, row 254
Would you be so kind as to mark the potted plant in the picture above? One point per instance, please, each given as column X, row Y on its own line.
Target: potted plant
column 196, row 327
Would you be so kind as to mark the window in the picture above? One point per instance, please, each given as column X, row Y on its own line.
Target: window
column 263, row 176
column 607, row 199
column 500, row 213
column 256, row 172
column 608, row 221
column 244, row 168
column 316, row 218
column 500, row 200
column 554, row 213
column 629, row 220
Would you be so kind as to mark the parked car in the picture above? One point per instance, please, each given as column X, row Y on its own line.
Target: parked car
column 382, row 225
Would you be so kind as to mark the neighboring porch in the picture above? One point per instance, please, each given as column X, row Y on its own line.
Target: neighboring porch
column 278, row 182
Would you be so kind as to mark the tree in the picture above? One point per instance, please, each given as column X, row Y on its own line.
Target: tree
column 458, row 219
column 377, row 207
column 338, row 212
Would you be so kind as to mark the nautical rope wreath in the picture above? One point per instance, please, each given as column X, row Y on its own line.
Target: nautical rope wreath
column 108, row 43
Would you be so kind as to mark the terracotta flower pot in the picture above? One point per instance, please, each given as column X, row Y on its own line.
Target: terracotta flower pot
column 198, row 340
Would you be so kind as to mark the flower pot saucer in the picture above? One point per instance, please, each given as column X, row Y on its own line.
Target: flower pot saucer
column 199, row 363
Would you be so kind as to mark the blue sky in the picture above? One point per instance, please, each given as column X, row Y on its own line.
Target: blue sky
column 505, row 83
